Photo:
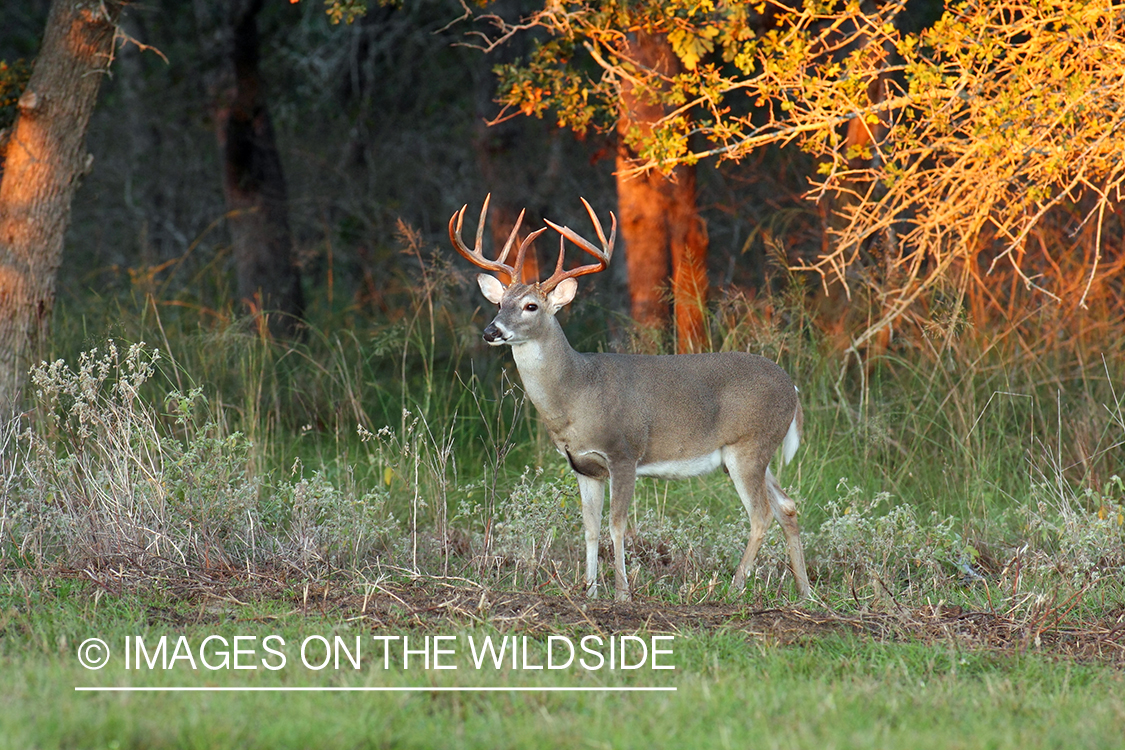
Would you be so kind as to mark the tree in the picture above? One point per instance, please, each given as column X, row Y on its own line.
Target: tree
column 253, row 180
column 44, row 161
column 995, row 116
column 660, row 223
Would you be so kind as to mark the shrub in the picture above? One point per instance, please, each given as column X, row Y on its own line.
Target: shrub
column 104, row 483
column 891, row 549
column 532, row 516
column 330, row 526
column 1077, row 535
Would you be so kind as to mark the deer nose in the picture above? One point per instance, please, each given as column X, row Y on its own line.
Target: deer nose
column 492, row 333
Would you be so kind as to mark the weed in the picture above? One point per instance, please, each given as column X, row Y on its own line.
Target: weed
column 1078, row 535
column 327, row 526
column 887, row 551
column 530, row 519
column 105, row 483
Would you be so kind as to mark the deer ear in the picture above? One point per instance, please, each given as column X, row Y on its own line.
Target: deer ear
column 562, row 294
column 490, row 287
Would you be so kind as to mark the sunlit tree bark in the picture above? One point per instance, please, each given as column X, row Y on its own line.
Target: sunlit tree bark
column 660, row 223
column 43, row 163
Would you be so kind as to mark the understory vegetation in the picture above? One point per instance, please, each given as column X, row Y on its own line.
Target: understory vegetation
column 957, row 464
column 960, row 493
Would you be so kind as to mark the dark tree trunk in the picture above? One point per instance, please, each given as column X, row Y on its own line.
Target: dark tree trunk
column 660, row 221
column 254, row 186
column 43, row 163
column 508, row 179
column 520, row 158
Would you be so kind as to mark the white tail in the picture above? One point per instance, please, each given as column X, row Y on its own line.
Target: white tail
column 618, row 416
column 792, row 439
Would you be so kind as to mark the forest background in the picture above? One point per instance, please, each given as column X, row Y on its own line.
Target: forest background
column 914, row 209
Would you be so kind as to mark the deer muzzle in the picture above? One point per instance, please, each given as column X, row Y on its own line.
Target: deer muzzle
column 494, row 335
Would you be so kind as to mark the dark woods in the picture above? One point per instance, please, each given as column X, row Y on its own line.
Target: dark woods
column 254, row 162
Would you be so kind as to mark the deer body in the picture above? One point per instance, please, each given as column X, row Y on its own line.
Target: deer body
column 619, row 416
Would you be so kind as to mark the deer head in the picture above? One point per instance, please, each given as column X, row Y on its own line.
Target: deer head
column 525, row 309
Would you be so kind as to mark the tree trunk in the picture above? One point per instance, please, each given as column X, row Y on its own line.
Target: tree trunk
column 254, row 186
column 660, row 222
column 520, row 158
column 43, row 163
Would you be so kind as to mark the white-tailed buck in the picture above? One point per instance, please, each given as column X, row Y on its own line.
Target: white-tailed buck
column 619, row 416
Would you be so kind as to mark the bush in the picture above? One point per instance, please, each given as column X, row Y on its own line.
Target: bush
column 329, row 526
column 101, row 482
column 1077, row 535
column 893, row 549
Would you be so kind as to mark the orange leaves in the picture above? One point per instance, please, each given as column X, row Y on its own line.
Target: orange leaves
column 531, row 99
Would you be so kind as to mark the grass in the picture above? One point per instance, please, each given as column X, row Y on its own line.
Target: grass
column 992, row 440
column 731, row 691
column 961, row 443
column 960, row 469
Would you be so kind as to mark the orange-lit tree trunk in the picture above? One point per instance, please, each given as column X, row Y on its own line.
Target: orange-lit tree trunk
column 660, row 222
column 254, row 185
column 43, row 163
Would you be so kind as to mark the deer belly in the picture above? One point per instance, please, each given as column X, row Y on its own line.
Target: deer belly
column 683, row 467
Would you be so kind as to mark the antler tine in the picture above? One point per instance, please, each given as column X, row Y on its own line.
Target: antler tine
column 522, row 252
column 603, row 255
column 503, row 256
column 598, row 229
column 476, row 255
column 479, row 247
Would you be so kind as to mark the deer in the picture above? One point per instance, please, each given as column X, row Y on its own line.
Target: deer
column 616, row 417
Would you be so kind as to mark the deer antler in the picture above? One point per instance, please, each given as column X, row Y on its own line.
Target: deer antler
column 603, row 255
column 476, row 255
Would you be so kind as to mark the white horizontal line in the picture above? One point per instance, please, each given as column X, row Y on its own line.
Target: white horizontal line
column 434, row 689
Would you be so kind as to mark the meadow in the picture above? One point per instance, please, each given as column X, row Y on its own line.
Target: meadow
column 960, row 494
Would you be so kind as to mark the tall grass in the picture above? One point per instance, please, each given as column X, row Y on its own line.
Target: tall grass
column 954, row 454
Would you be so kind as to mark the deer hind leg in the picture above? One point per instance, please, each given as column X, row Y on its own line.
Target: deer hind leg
column 593, row 497
column 785, row 511
column 749, row 479
column 622, row 481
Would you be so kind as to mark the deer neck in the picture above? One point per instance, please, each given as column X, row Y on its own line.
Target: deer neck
column 550, row 370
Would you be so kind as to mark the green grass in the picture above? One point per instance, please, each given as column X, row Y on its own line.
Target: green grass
column 964, row 423
column 732, row 690
column 974, row 453
column 981, row 447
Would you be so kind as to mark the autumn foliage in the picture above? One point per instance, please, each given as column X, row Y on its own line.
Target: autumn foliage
column 992, row 154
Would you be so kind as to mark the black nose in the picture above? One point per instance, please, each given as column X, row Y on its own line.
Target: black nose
column 492, row 333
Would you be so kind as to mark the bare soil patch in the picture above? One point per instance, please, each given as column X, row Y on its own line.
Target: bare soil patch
column 428, row 604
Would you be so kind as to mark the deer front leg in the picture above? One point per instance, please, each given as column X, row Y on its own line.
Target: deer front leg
column 622, row 480
column 593, row 496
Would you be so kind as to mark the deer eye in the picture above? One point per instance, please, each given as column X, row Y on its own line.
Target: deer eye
column 531, row 307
